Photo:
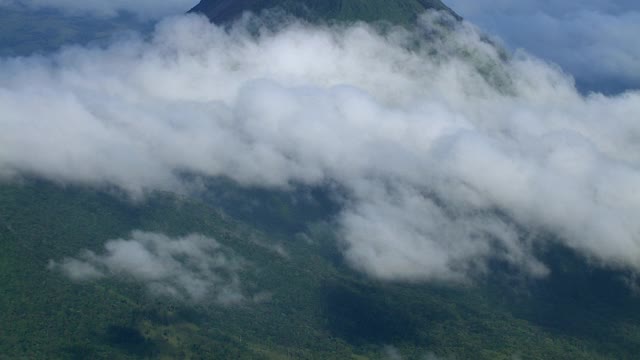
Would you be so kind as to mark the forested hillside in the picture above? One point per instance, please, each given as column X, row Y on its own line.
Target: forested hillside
column 301, row 300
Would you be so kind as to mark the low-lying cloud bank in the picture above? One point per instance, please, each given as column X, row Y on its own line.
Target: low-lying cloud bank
column 147, row 9
column 595, row 40
column 450, row 155
column 191, row 268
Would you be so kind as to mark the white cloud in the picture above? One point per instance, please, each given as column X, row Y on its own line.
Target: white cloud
column 192, row 268
column 444, row 169
column 106, row 8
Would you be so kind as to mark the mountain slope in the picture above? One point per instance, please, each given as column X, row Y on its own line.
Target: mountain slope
column 394, row 11
column 317, row 308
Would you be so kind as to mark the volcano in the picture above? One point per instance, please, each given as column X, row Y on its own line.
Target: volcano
column 393, row 11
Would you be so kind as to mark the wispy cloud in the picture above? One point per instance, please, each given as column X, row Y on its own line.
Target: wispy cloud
column 191, row 268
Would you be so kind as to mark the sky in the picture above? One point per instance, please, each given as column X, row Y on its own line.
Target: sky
column 594, row 40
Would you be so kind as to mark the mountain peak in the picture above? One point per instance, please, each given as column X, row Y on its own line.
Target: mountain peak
column 394, row 11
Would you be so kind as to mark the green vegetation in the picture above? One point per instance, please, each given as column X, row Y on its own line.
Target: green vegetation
column 318, row 307
column 394, row 11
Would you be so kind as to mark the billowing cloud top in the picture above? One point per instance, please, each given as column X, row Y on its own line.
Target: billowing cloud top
column 593, row 39
column 450, row 155
column 143, row 8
